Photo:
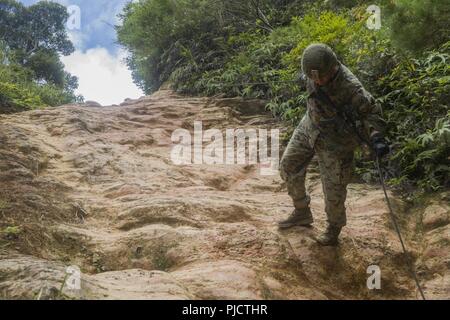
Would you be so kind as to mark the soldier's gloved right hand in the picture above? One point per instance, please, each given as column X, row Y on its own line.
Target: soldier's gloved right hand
column 380, row 146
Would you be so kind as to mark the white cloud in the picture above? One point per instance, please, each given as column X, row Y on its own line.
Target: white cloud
column 102, row 77
column 77, row 38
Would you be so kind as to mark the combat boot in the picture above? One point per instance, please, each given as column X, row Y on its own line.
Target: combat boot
column 330, row 236
column 298, row 217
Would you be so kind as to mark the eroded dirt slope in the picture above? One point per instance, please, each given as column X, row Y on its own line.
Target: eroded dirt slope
column 95, row 187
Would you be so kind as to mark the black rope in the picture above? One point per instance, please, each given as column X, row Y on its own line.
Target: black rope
column 397, row 229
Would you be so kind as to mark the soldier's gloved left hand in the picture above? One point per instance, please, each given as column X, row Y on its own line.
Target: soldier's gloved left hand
column 380, row 146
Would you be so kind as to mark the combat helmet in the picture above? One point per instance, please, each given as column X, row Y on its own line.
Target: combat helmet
column 320, row 57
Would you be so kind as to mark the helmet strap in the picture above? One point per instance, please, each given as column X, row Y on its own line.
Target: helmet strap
column 315, row 75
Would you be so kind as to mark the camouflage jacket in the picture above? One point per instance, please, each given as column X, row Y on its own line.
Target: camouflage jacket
column 358, row 115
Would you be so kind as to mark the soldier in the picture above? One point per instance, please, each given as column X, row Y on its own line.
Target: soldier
column 340, row 115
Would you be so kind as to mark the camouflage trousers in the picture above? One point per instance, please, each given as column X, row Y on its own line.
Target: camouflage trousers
column 335, row 164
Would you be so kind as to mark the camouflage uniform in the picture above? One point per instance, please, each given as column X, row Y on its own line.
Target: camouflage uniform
column 324, row 132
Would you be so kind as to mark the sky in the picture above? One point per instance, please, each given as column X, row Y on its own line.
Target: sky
column 98, row 60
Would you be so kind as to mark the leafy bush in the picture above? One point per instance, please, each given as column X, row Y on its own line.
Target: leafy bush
column 208, row 52
column 416, row 95
column 16, row 88
column 19, row 92
column 17, row 96
column 174, row 32
column 31, row 41
column 268, row 65
column 419, row 24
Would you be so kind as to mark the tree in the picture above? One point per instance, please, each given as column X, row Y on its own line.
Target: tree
column 243, row 13
column 162, row 34
column 40, row 26
column 35, row 36
column 418, row 25
column 32, row 40
column 47, row 67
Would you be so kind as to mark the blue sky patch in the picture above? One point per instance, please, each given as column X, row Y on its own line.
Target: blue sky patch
column 98, row 61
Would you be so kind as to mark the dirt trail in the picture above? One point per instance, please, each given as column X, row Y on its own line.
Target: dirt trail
column 95, row 187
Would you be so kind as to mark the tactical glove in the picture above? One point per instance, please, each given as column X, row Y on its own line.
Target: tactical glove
column 380, row 145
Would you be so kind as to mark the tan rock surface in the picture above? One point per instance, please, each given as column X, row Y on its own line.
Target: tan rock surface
column 96, row 188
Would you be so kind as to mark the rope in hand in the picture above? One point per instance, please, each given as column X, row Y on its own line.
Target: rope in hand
column 397, row 229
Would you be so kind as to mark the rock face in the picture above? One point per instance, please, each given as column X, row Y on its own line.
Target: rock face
column 435, row 257
column 96, row 189
column 92, row 104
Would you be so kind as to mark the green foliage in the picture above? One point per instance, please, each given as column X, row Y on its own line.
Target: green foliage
column 19, row 92
column 41, row 26
column 419, row 24
column 225, row 48
column 31, row 73
column 11, row 232
column 342, row 31
column 16, row 88
column 181, row 40
column 47, row 67
column 271, row 62
column 18, row 96
column 250, row 73
column 174, row 31
column 416, row 95
column 3, row 205
column 326, row 27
